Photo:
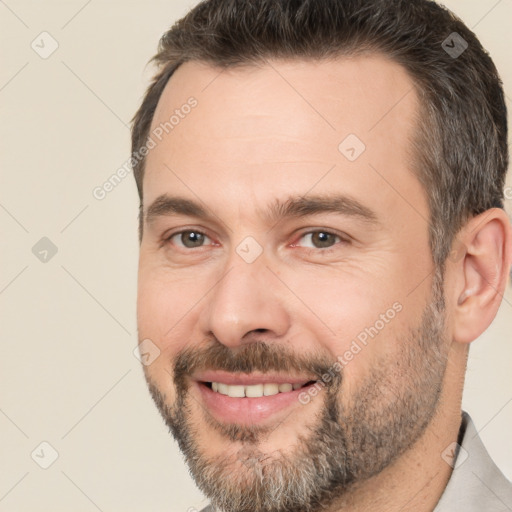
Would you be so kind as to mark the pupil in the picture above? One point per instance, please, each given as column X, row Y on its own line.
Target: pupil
column 192, row 239
column 322, row 239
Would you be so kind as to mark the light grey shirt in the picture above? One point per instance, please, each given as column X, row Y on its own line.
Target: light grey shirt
column 476, row 484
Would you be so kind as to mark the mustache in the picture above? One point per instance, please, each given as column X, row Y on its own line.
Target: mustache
column 256, row 356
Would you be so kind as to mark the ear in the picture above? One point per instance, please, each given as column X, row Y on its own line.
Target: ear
column 484, row 255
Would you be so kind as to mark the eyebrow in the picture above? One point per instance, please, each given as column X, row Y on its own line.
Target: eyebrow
column 301, row 206
column 165, row 205
column 293, row 207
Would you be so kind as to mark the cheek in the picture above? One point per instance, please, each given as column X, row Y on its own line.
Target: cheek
column 163, row 311
column 347, row 300
column 359, row 315
column 166, row 311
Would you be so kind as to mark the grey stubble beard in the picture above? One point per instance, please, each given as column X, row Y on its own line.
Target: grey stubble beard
column 344, row 445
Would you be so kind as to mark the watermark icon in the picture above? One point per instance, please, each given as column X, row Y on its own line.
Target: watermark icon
column 356, row 346
column 351, row 147
column 44, row 455
column 454, row 45
column 454, row 455
column 146, row 352
column 249, row 249
column 44, row 250
column 101, row 191
column 508, row 193
column 44, row 45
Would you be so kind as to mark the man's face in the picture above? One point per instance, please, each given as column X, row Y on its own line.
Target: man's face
column 306, row 266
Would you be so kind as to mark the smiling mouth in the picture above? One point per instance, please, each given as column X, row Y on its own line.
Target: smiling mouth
column 254, row 390
column 251, row 399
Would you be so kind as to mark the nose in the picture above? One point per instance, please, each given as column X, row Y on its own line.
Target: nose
column 246, row 299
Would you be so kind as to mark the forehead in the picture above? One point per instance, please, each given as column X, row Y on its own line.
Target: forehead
column 283, row 125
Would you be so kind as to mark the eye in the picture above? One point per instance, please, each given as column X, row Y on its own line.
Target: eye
column 189, row 239
column 320, row 239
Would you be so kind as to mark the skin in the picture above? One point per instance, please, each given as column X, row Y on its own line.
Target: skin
column 264, row 133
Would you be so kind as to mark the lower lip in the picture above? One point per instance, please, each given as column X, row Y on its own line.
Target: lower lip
column 248, row 410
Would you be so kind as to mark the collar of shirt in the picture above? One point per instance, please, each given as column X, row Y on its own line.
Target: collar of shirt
column 476, row 484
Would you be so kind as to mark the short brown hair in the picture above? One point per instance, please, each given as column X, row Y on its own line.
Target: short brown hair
column 461, row 152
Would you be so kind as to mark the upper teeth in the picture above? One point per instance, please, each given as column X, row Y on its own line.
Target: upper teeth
column 253, row 391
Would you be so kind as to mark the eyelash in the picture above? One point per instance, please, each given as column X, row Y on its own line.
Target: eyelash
column 319, row 250
column 167, row 239
column 326, row 250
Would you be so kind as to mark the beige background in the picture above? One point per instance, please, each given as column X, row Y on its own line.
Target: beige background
column 68, row 374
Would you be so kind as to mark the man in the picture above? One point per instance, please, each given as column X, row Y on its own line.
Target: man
column 322, row 236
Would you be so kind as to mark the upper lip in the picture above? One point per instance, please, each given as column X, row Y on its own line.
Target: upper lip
column 247, row 379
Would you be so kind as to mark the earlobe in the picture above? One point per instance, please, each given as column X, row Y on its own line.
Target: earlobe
column 482, row 273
